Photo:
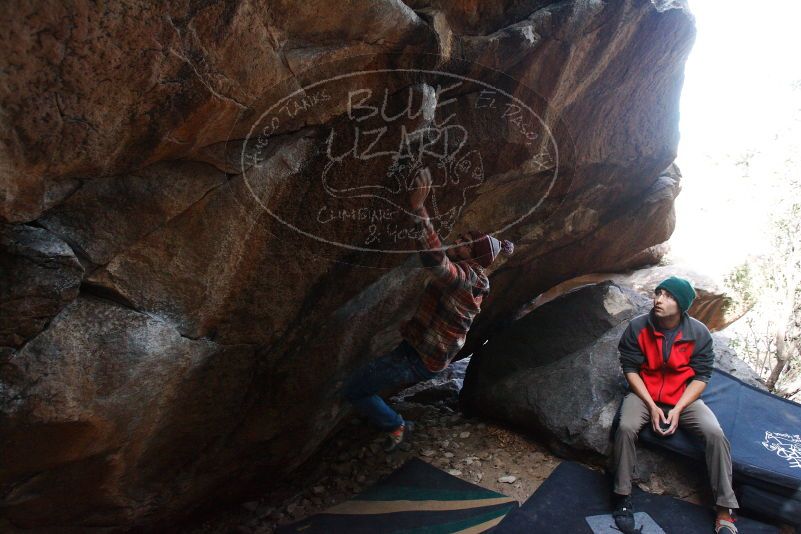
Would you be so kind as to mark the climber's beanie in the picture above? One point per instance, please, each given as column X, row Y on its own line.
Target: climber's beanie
column 681, row 290
column 486, row 248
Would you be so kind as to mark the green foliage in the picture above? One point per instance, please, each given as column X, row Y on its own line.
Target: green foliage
column 740, row 284
column 770, row 286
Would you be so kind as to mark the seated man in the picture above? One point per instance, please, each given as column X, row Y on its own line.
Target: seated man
column 437, row 331
column 667, row 358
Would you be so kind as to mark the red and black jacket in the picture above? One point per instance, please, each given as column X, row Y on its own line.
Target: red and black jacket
column 691, row 356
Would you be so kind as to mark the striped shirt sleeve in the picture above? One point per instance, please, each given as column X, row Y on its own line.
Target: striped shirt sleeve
column 433, row 256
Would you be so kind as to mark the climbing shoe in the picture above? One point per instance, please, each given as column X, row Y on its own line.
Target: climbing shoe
column 399, row 438
column 624, row 514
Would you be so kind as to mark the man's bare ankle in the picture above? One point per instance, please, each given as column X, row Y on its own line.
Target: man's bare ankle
column 724, row 513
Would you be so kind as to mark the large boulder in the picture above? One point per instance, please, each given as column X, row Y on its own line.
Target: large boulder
column 556, row 371
column 230, row 178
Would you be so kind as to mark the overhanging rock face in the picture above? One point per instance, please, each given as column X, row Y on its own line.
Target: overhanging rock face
column 204, row 223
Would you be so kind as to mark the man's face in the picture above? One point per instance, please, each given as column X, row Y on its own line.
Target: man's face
column 461, row 250
column 664, row 304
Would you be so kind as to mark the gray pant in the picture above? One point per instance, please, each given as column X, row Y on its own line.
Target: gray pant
column 696, row 418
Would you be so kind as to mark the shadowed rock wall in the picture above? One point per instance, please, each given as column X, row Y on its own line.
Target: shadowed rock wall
column 167, row 331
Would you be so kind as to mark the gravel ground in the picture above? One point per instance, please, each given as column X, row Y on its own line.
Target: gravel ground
column 479, row 452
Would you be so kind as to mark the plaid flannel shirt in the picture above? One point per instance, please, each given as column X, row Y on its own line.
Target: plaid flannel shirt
column 450, row 302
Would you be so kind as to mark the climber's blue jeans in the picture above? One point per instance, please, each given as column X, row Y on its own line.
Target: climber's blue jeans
column 399, row 368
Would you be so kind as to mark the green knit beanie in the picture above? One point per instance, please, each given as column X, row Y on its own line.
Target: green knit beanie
column 681, row 290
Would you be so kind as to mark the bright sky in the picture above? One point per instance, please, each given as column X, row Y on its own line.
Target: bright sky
column 742, row 93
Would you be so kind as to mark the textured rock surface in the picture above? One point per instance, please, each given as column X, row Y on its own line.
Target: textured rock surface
column 39, row 274
column 555, row 372
column 444, row 388
column 208, row 341
column 109, row 404
column 101, row 91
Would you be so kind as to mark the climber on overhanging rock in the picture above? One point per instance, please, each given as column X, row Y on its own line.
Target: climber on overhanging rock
column 437, row 331
column 667, row 359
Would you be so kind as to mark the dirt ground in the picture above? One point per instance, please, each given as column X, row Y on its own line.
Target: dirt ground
column 471, row 449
